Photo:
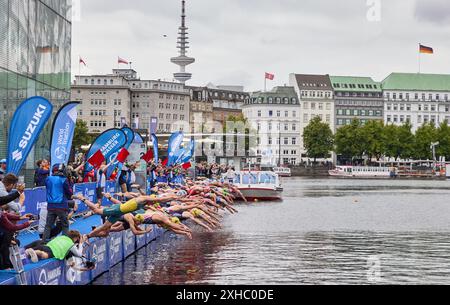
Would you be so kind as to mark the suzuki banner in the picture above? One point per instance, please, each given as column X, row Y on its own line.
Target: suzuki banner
column 62, row 133
column 26, row 125
column 109, row 143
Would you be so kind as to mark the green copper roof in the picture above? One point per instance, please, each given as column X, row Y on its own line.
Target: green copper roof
column 354, row 84
column 277, row 92
column 417, row 82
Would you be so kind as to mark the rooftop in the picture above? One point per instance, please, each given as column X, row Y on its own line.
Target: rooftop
column 417, row 82
column 355, row 84
column 313, row 82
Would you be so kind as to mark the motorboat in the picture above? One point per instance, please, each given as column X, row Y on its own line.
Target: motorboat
column 259, row 185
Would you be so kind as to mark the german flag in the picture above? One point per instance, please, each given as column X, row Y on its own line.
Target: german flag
column 425, row 50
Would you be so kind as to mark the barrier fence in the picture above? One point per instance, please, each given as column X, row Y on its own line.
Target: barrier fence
column 107, row 252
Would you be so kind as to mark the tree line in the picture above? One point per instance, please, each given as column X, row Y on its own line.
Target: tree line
column 375, row 140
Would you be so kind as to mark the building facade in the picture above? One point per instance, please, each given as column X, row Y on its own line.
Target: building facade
column 35, row 59
column 275, row 115
column 417, row 98
column 201, row 108
column 104, row 100
column 315, row 93
column 356, row 97
column 121, row 97
column 227, row 101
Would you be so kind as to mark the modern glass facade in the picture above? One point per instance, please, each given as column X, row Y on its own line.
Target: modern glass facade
column 35, row 55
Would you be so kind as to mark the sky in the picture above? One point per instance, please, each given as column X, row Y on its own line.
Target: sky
column 236, row 41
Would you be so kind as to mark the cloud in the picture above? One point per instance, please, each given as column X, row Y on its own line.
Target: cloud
column 433, row 11
column 236, row 41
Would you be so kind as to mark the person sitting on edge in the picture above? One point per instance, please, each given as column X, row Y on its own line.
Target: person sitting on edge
column 59, row 248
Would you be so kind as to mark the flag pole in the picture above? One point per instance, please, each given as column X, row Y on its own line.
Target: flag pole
column 419, row 58
column 265, row 83
column 79, row 65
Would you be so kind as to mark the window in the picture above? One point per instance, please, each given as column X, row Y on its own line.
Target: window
column 313, row 106
column 305, row 118
column 320, row 106
column 294, row 141
column 286, row 127
column 294, row 114
column 278, row 113
column 286, row 141
column 270, row 140
column 294, row 127
column 286, row 114
column 259, row 113
column 270, row 113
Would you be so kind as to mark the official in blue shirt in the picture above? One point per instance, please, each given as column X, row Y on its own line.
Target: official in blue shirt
column 59, row 192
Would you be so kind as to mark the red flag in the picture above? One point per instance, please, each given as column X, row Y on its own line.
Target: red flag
column 82, row 61
column 187, row 165
column 122, row 61
column 148, row 156
column 164, row 163
column 97, row 159
column 270, row 76
column 123, row 155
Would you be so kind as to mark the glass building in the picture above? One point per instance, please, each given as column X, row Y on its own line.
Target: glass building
column 35, row 60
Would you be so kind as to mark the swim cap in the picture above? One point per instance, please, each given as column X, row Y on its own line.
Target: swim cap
column 175, row 220
column 196, row 212
column 140, row 217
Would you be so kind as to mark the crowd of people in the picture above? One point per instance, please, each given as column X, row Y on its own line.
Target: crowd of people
column 176, row 199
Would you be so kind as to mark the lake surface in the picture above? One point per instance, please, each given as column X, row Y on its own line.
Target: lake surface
column 326, row 231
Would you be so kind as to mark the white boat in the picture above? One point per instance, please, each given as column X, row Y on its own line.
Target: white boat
column 282, row 171
column 363, row 172
column 259, row 185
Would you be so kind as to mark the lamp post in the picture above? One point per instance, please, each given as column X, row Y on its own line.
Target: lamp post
column 433, row 149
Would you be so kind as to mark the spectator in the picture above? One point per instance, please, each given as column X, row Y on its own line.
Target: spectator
column 9, row 183
column 8, row 228
column 41, row 173
column 59, row 192
column 3, row 169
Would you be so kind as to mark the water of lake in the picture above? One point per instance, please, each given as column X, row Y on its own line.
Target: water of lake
column 326, row 231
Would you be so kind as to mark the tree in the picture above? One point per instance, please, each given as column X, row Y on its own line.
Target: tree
column 318, row 139
column 406, row 140
column 391, row 141
column 425, row 135
column 81, row 136
column 443, row 136
column 373, row 136
column 349, row 140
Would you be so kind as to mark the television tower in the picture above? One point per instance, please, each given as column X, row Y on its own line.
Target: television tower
column 183, row 45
